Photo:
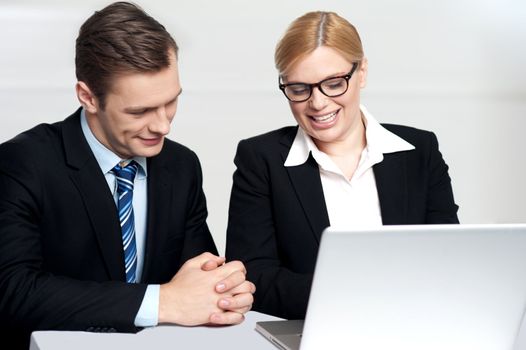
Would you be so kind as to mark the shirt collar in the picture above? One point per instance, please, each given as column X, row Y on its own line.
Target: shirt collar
column 106, row 158
column 379, row 142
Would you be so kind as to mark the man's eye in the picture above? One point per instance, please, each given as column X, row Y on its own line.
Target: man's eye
column 139, row 112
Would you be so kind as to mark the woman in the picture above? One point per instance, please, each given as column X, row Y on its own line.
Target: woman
column 340, row 167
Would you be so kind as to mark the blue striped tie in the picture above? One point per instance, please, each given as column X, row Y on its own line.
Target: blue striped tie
column 125, row 176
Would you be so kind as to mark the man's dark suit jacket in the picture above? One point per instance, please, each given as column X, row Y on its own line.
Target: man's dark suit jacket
column 61, row 255
column 277, row 213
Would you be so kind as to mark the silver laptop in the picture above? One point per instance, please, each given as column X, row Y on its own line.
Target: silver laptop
column 414, row 287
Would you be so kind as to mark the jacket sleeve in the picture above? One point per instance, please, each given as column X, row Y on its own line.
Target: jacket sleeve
column 252, row 238
column 441, row 207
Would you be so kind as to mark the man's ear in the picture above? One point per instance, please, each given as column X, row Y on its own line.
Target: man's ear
column 86, row 97
column 362, row 71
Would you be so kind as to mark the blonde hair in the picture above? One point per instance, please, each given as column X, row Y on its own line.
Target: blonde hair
column 315, row 29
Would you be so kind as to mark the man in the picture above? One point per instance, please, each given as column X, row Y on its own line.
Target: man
column 102, row 219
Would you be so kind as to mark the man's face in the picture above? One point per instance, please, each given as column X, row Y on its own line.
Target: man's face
column 139, row 110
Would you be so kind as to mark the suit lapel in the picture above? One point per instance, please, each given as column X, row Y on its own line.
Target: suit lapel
column 305, row 179
column 90, row 182
column 159, row 190
column 391, row 183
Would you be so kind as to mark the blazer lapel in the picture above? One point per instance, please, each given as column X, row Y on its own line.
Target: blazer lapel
column 90, row 182
column 391, row 183
column 159, row 189
column 305, row 179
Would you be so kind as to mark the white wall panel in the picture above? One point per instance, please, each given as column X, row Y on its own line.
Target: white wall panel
column 456, row 67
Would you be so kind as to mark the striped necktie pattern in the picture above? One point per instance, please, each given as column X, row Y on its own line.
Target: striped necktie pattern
column 125, row 176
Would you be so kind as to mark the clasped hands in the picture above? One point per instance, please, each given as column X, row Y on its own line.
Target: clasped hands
column 206, row 290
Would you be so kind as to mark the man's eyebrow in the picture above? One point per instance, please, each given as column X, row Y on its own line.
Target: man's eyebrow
column 135, row 109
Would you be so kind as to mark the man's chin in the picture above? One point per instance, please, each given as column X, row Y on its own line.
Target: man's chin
column 149, row 151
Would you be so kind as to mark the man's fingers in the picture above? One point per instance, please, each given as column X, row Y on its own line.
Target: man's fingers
column 225, row 318
column 232, row 281
column 210, row 265
column 245, row 287
column 243, row 310
column 237, row 303
column 233, row 266
column 207, row 259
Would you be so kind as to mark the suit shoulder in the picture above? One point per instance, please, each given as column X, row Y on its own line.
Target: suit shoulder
column 32, row 142
column 265, row 147
column 271, row 137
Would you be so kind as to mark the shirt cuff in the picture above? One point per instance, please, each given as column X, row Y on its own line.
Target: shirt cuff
column 148, row 314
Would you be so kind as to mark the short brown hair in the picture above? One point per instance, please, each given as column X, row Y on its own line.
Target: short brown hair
column 121, row 38
column 315, row 29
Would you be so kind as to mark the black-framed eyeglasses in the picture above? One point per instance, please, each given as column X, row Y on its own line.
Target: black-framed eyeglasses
column 330, row 87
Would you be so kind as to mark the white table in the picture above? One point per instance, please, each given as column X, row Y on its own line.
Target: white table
column 242, row 337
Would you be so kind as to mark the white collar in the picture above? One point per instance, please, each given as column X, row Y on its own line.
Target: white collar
column 380, row 141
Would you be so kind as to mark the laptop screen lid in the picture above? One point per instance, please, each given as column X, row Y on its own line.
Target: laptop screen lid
column 418, row 287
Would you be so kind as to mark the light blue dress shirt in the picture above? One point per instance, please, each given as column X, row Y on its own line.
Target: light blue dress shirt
column 149, row 310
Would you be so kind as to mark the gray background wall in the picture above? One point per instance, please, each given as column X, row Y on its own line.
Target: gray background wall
column 457, row 67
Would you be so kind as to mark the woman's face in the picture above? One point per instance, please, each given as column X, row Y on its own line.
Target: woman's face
column 327, row 119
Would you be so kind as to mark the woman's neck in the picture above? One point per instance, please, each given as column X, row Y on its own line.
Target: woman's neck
column 352, row 143
column 346, row 153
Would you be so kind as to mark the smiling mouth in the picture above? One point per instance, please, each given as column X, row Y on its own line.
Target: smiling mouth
column 151, row 138
column 327, row 118
column 150, row 141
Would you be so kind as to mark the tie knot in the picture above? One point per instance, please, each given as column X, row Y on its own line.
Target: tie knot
column 125, row 175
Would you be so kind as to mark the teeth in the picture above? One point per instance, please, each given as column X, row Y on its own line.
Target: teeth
column 325, row 118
